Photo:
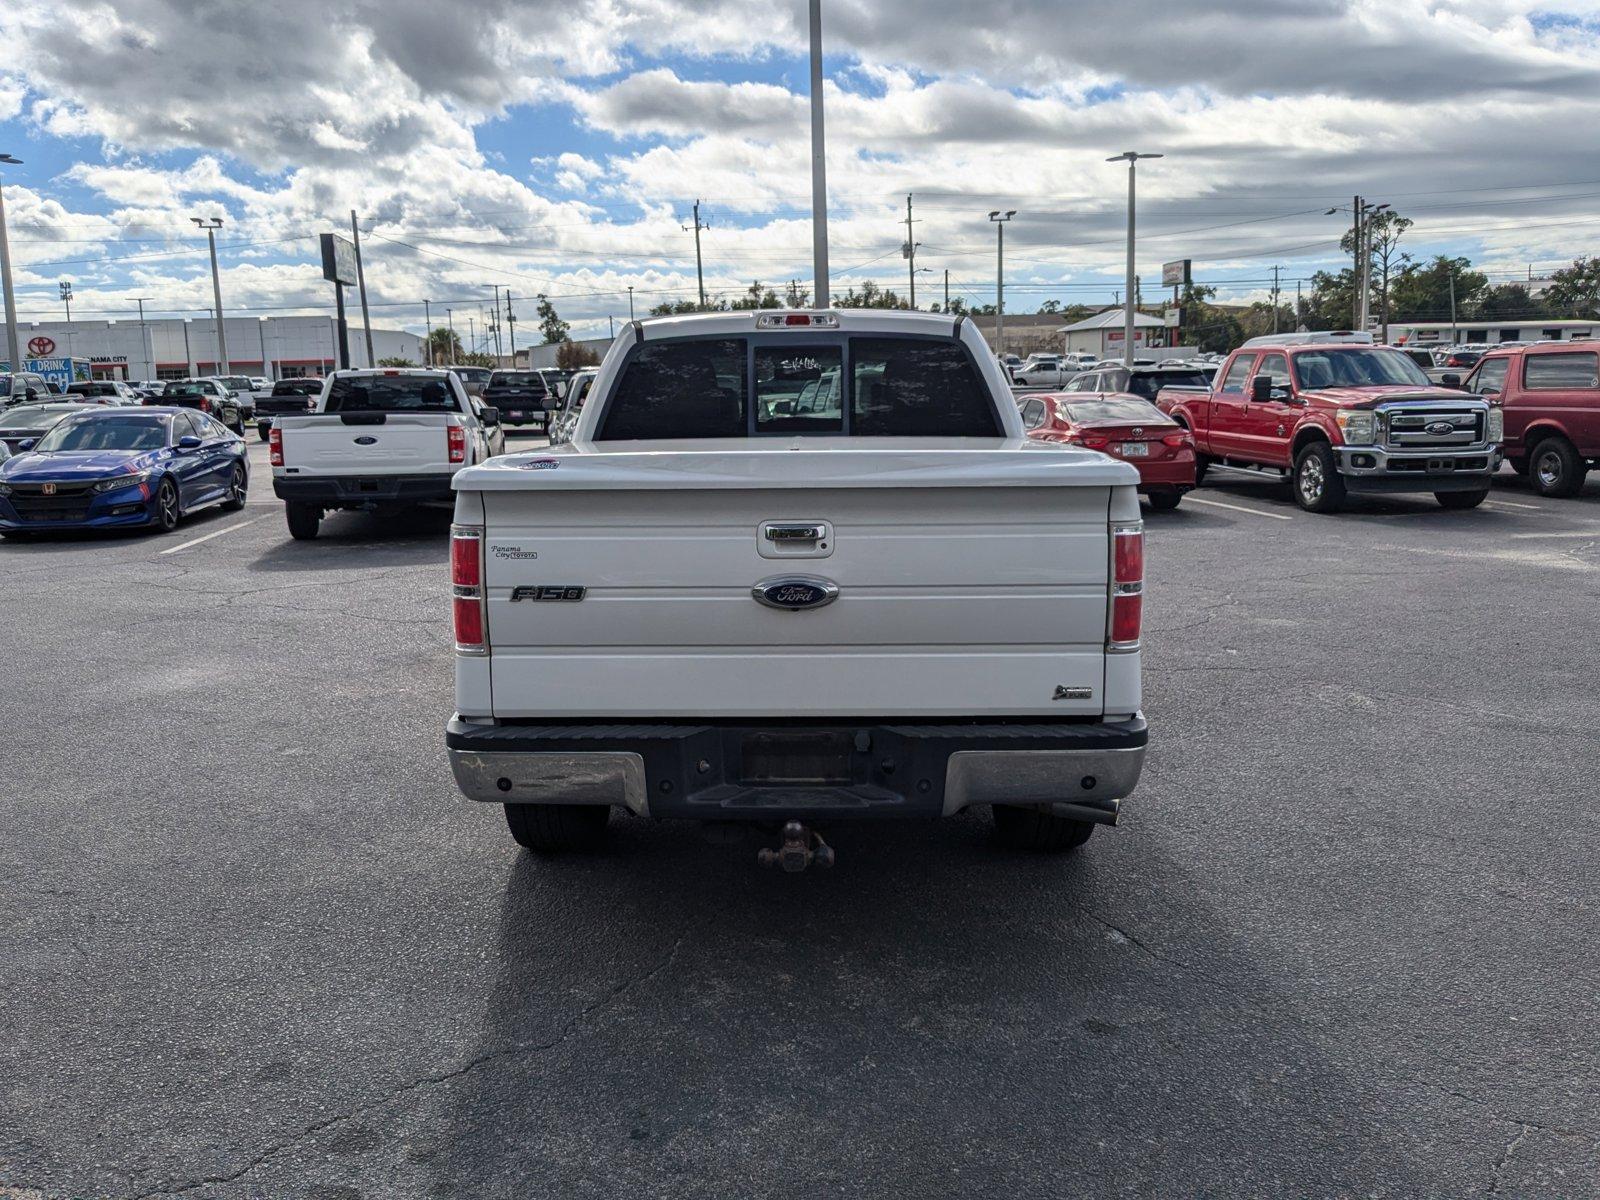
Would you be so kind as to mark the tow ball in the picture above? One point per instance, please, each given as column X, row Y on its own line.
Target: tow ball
column 801, row 848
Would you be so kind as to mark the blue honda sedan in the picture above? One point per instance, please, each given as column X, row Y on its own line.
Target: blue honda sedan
column 108, row 468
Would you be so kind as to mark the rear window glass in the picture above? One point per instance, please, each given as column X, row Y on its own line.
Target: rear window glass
column 1548, row 371
column 1094, row 408
column 1148, row 383
column 908, row 387
column 390, row 393
column 690, row 389
column 516, row 379
column 797, row 389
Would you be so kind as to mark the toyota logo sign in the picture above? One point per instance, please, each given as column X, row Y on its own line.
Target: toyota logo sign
column 41, row 347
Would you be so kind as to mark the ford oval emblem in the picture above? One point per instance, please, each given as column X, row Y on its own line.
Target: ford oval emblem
column 365, row 440
column 1440, row 428
column 795, row 592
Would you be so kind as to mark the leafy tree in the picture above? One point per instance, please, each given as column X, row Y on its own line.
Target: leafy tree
column 870, row 296
column 1510, row 302
column 757, row 297
column 1050, row 307
column 1576, row 289
column 570, row 356
column 797, row 296
column 1331, row 304
column 1384, row 231
column 400, row 361
column 476, row 358
column 551, row 325
column 445, row 345
column 1421, row 291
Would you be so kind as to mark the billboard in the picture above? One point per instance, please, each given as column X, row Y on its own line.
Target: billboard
column 1176, row 274
column 57, row 371
column 338, row 259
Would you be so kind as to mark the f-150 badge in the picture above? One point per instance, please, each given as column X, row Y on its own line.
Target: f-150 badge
column 568, row 592
column 795, row 592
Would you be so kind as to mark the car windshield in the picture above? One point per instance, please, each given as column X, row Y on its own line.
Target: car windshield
column 29, row 417
column 187, row 389
column 1358, row 368
column 1148, row 383
column 1092, row 410
column 106, row 433
column 390, row 393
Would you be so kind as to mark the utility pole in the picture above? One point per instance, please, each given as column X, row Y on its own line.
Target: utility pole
column 472, row 335
column 1455, row 334
column 611, row 325
column 511, row 328
column 361, row 286
column 13, row 347
column 630, row 304
column 427, row 332
column 450, row 321
column 911, row 255
column 65, row 288
column 699, row 267
column 1130, row 305
column 1274, row 299
column 211, row 225
column 144, row 340
column 821, row 297
column 947, row 289
column 1299, row 312
column 1000, row 220
column 1357, row 275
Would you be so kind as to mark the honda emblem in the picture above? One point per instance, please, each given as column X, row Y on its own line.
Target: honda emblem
column 48, row 489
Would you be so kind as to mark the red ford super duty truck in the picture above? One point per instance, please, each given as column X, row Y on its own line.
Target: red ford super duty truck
column 1337, row 414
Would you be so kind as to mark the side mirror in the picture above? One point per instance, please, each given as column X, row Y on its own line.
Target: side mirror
column 1261, row 388
column 489, row 416
column 27, row 444
column 31, row 393
column 188, row 442
column 551, row 402
column 561, row 389
column 1450, row 379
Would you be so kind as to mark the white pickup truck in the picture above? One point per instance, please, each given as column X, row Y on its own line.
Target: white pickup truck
column 712, row 605
column 378, row 438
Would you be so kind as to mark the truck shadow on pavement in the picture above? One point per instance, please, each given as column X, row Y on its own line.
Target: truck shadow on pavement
column 934, row 1017
column 353, row 540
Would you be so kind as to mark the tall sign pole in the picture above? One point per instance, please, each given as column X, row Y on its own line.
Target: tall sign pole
column 339, row 268
column 822, row 297
column 13, row 347
column 361, row 286
column 211, row 225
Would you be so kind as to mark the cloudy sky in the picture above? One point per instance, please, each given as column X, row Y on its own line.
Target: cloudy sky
column 558, row 147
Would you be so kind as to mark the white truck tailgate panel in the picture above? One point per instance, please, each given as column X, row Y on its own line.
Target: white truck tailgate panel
column 954, row 601
column 322, row 444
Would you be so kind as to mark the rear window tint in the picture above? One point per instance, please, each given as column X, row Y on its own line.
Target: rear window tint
column 390, row 393
column 1550, row 371
column 909, row 387
column 690, row 389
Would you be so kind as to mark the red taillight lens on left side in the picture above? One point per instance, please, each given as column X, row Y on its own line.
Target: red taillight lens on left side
column 1126, row 588
column 468, row 600
column 457, row 440
column 275, row 446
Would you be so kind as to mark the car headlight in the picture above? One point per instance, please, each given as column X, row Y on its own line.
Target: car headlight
column 1497, row 424
column 1356, row 425
column 5, row 489
column 117, row 483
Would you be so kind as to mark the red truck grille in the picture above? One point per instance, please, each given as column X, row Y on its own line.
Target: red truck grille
column 1434, row 428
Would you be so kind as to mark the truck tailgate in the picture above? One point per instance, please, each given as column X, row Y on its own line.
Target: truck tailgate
column 954, row 599
column 366, row 443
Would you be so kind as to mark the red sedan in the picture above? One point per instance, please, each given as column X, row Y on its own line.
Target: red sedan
column 1124, row 427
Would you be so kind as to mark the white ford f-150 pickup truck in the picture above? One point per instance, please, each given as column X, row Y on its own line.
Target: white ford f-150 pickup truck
column 721, row 604
column 378, row 438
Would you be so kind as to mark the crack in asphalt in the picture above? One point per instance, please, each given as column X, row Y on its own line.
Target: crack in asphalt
column 1505, row 1158
column 572, row 1025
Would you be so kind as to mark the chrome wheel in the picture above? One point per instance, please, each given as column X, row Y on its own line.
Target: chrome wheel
column 1312, row 480
column 236, row 493
column 167, row 505
column 1547, row 469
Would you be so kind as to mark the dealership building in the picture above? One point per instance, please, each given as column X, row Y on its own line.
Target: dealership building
column 276, row 347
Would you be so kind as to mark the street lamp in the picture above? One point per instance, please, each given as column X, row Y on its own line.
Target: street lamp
column 1361, row 275
column 211, row 225
column 1129, row 307
column 1000, row 218
column 13, row 347
column 64, row 289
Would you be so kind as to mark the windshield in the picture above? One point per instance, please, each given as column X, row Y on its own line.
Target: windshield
column 1093, row 410
column 1358, row 368
column 516, row 379
column 106, row 433
column 390, row 393
column 28, row 417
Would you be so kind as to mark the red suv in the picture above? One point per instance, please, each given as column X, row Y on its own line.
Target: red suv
column 1551, row 396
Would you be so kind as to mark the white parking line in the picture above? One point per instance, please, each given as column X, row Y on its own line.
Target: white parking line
column 1254, row 512
column 213, row 534
column 1593, row 535
column 1512, row 504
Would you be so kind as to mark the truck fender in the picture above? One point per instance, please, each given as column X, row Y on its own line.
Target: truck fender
column 1310, row 430
column 1541, row 429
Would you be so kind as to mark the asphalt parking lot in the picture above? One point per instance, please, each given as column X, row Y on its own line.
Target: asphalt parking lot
column 1342, row 945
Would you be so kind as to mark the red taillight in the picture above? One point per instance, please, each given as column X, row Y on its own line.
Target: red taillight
column 1089, row 441
column 1176, row 440
column 466, row 578
column 797, row 319
column 275, row 446
column 1126, row 592
column 205, row 405
column 457, row 440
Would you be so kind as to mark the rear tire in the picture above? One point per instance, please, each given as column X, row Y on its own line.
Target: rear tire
column 304, row 520
column 265, row 431
column 1461, row 499
column 1165, row 501
column 558, row 828
column 1029, row 829
column 1318, row 486
column 1201, row 463
column 168, row 506
column 1556, row 469
column 238, row 487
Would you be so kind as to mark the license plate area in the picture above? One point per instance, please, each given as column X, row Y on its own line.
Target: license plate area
column 778, row 758
column 1135, row 449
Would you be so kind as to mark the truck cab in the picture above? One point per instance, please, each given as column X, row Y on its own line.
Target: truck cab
column 1550, row 394
column 1337, row 414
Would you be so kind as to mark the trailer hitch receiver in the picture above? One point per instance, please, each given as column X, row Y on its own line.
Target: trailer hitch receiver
column 800, row 848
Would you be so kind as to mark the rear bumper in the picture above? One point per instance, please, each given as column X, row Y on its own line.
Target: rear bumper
column 706, row 772
column 363, row 491
column 1375, row 469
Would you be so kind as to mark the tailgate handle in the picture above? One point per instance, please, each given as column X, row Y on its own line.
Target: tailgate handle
column 791, row 534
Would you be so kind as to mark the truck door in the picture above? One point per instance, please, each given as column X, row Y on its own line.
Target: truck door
column 1229, row 402
column 1266, row 424
column 1565, row 387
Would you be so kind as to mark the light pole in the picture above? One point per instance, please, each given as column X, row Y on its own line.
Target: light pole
column 211, row 225
column 450, row 322
column 1000, row 218
column 630, row 305
column 1361, row 262
column 1130, row 298
column 144, row 341
column 821, row 297
column 427, row 332
column 65, row 290
column 13, row 347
